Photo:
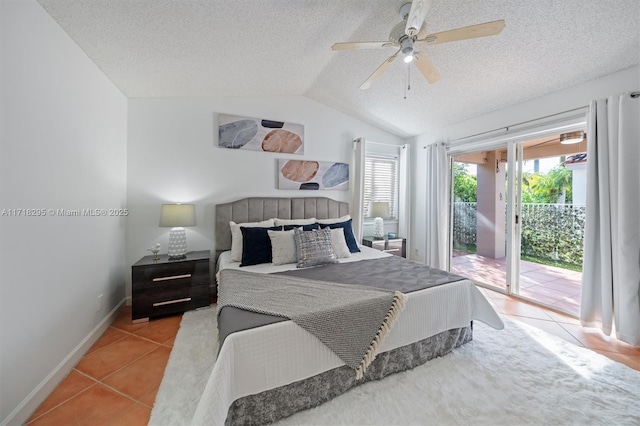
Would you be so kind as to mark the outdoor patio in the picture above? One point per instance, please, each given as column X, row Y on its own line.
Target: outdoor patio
column 553, row 286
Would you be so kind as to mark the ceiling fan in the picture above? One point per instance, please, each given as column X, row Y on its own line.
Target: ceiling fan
column 410, row 33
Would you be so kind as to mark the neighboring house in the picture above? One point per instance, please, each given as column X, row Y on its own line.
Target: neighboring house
column 578, row 166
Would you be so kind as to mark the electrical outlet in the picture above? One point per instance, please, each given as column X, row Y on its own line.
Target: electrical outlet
column 99, row 306
column 415, row 251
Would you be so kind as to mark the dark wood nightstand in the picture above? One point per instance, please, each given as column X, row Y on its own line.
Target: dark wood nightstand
column 396, row 246
column 166, row 286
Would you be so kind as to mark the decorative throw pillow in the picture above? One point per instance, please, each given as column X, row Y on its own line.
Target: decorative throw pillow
column 314, row 247
column 298, row 222
column 283, row 247
column 340, row 247
column 256, row 245
column 348, row 234
column 236, row 236
column 309, row 227
column 334, row 220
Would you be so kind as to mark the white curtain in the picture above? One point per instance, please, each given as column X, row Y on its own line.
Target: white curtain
column 611, row 271
column 357, row 190
column 404, row 216
column 437, row 207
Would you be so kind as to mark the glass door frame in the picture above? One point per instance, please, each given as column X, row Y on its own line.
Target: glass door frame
column 514, row 213
column 514, row 145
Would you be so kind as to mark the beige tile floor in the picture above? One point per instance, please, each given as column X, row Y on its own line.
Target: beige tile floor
column 116, row 382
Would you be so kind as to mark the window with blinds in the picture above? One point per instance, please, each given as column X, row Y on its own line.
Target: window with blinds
column 381, row 182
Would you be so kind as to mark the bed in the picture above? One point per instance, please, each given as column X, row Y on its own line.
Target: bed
column 267, row 372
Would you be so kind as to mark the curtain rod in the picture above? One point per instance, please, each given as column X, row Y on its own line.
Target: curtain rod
column 385, row 144
column 506, row 128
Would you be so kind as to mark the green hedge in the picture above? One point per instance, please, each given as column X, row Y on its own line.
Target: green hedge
column 549, row 231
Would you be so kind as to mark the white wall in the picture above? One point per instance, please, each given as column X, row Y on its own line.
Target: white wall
column 173, row 157
column 560, row 101
column 63, row 146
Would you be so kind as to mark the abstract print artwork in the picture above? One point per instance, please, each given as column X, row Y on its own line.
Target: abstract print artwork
column 257, row 134
column 313, row 175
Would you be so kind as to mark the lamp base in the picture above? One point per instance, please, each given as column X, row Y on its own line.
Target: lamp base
column 378, row 228
column 177, row 243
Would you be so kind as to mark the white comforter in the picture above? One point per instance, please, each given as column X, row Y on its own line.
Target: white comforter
column 267, row 357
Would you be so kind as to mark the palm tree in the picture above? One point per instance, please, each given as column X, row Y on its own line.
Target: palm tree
column 560, row 183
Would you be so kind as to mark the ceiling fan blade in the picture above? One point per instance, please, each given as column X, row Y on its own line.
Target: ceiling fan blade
column 353, row 45
column 418, row 13
column 426, row 67
column 465, row 33
column 378, row 72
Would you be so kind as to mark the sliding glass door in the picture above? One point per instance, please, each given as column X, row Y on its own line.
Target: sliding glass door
column 478, row 227
column 517, row 219
column 549, row 234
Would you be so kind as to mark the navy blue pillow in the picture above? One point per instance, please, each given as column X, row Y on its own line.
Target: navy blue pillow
column 348, row 234
column 256, row 245
column 310, row 227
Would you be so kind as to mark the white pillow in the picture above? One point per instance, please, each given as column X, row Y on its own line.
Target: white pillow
column 236, row 236
column 282, row 222
column 335, row 220
column 283, row 247
column 340, row 247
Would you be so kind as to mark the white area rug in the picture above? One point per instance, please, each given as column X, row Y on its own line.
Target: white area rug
column 519, row 375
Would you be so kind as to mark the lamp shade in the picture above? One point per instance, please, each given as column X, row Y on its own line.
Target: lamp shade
column 379, row 209
column 176, row 215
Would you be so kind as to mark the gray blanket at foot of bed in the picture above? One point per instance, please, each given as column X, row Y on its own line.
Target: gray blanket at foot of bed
column 387, row 273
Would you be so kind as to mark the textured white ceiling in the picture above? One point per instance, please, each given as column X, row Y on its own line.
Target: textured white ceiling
column 178, row 48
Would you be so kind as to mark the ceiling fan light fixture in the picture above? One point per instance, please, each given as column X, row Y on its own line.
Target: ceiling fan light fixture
column 572, row 137
column 406, row 47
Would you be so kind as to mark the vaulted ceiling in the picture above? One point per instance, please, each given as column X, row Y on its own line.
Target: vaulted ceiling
column 195, row 48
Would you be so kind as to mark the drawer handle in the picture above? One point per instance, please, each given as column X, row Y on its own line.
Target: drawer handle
column 171, row 302
column 174, row 277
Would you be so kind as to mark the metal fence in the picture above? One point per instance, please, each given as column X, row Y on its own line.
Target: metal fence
column 550, row 231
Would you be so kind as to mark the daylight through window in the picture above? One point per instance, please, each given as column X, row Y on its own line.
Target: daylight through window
column 381, row 182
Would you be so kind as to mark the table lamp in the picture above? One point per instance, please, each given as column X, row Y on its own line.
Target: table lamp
column 378, row 210
column 177, row 216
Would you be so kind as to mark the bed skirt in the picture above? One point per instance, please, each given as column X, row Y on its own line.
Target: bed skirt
column 274, row 404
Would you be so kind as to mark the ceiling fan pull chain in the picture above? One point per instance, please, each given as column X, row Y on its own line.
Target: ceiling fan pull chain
column 407, row 80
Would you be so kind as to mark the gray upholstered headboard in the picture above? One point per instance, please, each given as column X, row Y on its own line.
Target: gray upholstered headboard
column 262, row 208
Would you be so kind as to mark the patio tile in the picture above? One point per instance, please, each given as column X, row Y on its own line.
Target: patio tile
column 526, row 282
column 547, row 289
column 539, row 276
column 565, row 286
column 546, row 284
column 529, row 266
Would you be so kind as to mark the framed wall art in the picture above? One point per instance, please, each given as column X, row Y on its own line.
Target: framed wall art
column 256, row 134
column 312, row 175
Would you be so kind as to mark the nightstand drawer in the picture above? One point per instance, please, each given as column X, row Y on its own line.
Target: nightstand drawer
column 395, row 247
column 378, row 245
column 179, row 274
column 155, row 303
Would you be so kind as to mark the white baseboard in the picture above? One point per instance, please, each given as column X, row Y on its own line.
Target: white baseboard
column 30, row 404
